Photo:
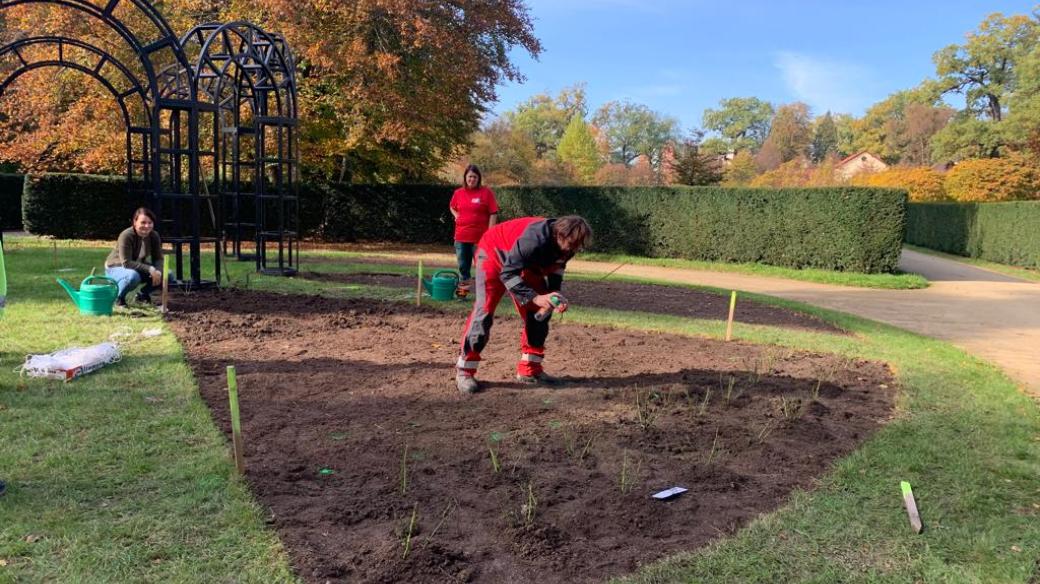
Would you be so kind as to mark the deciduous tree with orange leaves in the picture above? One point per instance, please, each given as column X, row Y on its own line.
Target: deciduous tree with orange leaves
column 389, row 89
column 392, row 88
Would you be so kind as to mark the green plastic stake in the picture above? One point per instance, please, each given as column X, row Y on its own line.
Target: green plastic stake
column 326, row 472
column 236, row 425
column 3, row 281
column 165, row 282
column 418, row 287
column 732, row 309
column 911, row 507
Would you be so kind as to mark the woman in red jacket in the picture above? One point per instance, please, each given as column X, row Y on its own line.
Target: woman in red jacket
column 475, row 210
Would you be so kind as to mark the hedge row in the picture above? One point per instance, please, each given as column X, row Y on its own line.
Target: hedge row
column 11, row 201
column 76, row 205
column 1005, row 233
column 851, row 229
column 854, row 229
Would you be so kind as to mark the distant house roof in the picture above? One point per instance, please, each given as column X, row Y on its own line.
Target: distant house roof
column 852, row 157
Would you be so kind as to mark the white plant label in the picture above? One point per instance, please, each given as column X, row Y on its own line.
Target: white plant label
column 669, row 493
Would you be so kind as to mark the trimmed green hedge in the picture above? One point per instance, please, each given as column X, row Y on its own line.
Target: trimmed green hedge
column 1006, row 233
column 11, row 201
column 76, row 205
column 853, row 229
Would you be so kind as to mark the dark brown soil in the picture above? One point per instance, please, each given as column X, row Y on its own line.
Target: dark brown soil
column 365, row 389
column 672, row 300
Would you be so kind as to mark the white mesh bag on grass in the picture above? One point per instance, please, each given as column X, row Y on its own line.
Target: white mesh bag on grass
column 71, row 363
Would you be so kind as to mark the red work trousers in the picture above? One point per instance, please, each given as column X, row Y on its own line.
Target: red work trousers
column 489, row 290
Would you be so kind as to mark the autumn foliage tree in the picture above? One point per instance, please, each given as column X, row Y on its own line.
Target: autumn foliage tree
column 922, row 183
column 389, row 89
column 1015, row 177
column 791, row 174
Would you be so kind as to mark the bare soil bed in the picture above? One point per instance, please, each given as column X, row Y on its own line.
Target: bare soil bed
column 353, row 427
column 671, row 300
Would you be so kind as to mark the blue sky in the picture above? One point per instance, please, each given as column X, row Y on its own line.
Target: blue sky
column 680, row 57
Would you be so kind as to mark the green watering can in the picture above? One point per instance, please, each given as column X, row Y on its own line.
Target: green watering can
column 93, row 299
column 442, row 285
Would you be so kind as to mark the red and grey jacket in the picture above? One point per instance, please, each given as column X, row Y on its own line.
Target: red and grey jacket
column 525, row 245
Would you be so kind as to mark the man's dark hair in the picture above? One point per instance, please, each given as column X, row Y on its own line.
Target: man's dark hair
column 574, row 229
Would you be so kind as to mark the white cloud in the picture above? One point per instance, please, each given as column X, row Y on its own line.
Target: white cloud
column 826, row 84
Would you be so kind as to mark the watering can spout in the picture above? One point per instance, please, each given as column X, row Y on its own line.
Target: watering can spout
column 427, row 286
column 73, row 293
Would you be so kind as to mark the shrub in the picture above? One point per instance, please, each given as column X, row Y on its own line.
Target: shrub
column 851, row 229
column 855, row 229
column 793, row 173
column 1005, row 233
column 922, row 183
column 76, row 205
column 1012, row 178
column 11, row 201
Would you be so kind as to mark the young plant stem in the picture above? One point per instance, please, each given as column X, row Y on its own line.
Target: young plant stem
column 528, row 509
column 495, row 464
column 447, row 511
column 588, row 446
column 628, row 476
column 411, row 530
column 766, row 430
column 704, row 404
column 714, row 445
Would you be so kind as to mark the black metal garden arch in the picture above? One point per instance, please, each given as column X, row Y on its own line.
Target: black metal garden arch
column 165, row 121
column 249, row 75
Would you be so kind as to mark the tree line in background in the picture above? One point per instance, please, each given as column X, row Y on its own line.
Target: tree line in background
column 986, row 150
column 395, row 91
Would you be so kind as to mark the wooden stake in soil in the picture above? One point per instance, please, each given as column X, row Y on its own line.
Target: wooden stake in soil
column 165, row 283
column 54, row 245
column 732, row 309
column 911, row 507
column 236, row 426
column 418, row 287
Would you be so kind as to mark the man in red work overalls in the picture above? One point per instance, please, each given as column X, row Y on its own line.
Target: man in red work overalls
column 525, row 257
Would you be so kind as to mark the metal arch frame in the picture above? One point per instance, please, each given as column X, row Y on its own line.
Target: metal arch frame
column 172, row 104
column 94, row 72
column 163, row 158
column 104, row 59
column 262, row 65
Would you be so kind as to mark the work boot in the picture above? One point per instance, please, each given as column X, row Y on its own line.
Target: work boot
column 142, row 298
column 540, row 378
column 466, row 383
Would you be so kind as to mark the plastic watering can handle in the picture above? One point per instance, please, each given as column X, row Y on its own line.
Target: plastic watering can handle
column 106, row 281
column 452, row 273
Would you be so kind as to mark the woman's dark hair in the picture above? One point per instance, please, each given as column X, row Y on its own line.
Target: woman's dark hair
column 143, row 211
column 472, row 168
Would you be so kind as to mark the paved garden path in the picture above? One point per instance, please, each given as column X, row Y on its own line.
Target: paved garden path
column 993, row 316
column 990, row 315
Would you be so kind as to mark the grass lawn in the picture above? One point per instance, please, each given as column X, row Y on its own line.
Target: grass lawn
column 899, row 281
column 1024, row 273
column 121, row 476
